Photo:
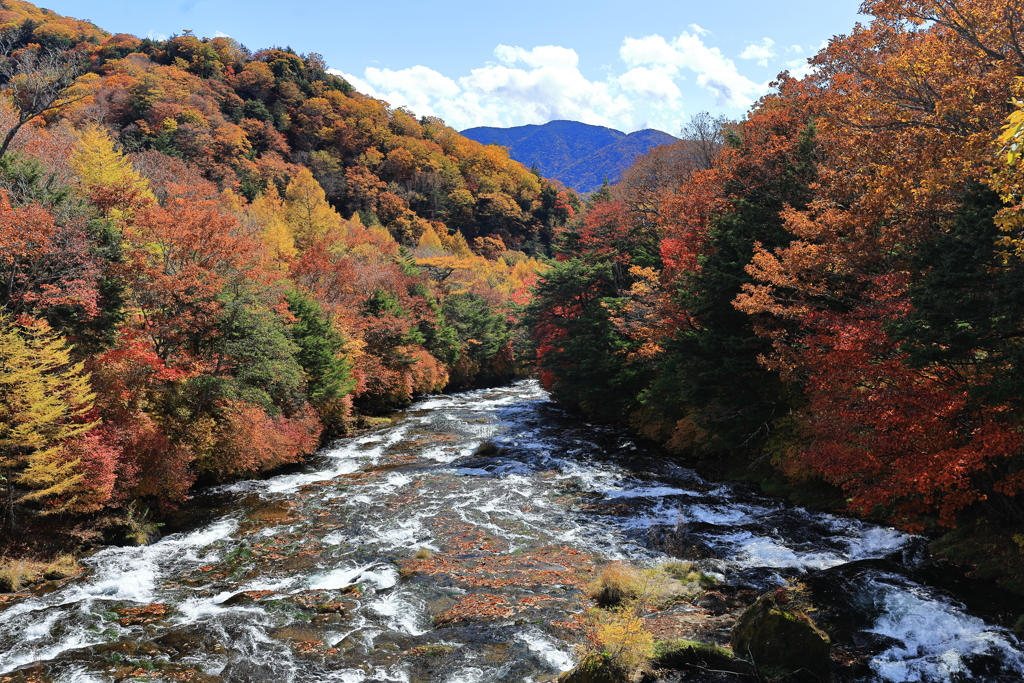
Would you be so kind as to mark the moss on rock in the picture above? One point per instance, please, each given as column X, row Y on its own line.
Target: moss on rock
column 595, row 668
column 773, row 635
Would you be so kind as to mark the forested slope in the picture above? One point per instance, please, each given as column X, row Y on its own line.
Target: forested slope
column 826, row 294
column 580, row 155
column 212, row 259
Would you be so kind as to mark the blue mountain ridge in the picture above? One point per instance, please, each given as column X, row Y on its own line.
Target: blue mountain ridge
column 580, row 155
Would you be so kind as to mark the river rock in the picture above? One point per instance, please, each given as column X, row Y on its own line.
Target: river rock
column 774, row 636
column 594, row 668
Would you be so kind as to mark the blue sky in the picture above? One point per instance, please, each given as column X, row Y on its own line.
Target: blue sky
column 632, row 65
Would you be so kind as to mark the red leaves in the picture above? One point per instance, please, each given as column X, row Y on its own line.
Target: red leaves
column 43, row 265
column 181, row 257
column 901, row 441
column 252, row 441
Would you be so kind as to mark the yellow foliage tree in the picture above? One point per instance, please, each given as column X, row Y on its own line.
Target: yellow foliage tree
column 267, row 212
column 307, row 210
column 430, row 243
column 43, row 396
column 1008, row 179
column 98, row 163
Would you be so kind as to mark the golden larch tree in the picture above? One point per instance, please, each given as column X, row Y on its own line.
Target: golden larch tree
column 44, row 398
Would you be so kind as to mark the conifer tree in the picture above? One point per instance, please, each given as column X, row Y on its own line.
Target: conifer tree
column 44, row 398
column 99, row 164
column 307, row 210
column 268, row 213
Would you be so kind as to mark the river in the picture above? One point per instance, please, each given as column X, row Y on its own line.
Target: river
column 452, row 547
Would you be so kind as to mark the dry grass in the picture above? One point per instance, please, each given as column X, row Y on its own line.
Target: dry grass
column 61, row 568
column 620, row 583
column 423, row 554
column 16, row 574
column 687, row 573
column 618, row 643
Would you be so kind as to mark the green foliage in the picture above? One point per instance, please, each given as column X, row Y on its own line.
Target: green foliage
column 967, row 311
column 265, row 364
column 578, row 344
column 26, row 180
column 710, row 371
column 480, row 328
column 321, row 350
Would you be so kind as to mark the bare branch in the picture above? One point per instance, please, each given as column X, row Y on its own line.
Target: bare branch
column 36, row 81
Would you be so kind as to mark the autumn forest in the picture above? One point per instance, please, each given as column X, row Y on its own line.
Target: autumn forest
column 213, row 260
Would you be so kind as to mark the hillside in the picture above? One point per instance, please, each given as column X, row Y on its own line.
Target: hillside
column 216, row 258
column 578, row 154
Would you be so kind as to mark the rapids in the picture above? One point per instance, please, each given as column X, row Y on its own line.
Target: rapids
column 452, row 546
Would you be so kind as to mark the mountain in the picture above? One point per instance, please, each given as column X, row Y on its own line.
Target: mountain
column 578, row 154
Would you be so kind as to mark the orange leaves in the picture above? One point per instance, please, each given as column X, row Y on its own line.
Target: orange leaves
column 43, row 265
column 141, row 616
column 181, row 257
column 251, row 441
column 475, row 607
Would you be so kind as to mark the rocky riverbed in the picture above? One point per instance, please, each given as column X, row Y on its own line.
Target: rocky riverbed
column 456, row 545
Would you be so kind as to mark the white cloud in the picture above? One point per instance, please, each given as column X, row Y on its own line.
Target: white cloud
column 762, row 51
column 715, row 72
column 153, row 35
column 700, row 31
column 656, row 84
column 545, row 55
column 549, row 87
column 220, row 34
column 798, row 68
column 546, row 83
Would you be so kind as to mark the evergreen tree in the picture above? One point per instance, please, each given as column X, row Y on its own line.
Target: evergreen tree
column 321, row 351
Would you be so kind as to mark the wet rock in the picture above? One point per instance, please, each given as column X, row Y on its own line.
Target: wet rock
column 875, row 642
column 248, row 597
column 487, row 449
column 283, row 511
column 248, row 671
column 725, row 599
column 179, row 642
column 773, row 634
column 680, row 654
column 594, row 668
column 714, row 602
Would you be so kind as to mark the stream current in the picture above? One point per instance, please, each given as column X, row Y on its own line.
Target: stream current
column 452, row 546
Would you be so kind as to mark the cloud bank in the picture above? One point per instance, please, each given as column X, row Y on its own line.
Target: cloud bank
column 661, row 83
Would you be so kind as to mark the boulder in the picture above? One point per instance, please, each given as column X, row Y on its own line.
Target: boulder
column 779, row 638
column 594, row 668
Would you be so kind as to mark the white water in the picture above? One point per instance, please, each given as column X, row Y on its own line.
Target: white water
column 548, row 477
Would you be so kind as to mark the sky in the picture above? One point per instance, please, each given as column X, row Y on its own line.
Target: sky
column 629, row 66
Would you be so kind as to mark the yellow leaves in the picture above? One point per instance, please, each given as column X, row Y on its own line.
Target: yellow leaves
column 430, row 243
column 1008, row 181
column 99, row 164
column 43, row 396
column 307, row 211
column 624, row 640
column 640, row 318
column 267, row 213
column 1012, row 137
